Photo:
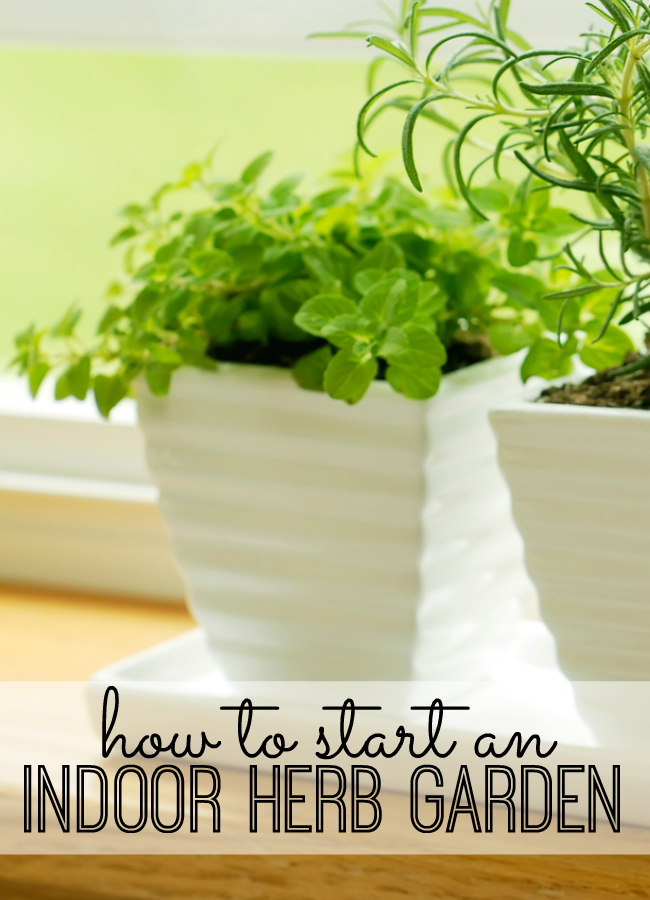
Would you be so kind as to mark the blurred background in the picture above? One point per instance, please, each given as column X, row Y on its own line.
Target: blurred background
column 103, row 100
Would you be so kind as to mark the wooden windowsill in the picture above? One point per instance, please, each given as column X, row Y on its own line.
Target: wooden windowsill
column 58, row 636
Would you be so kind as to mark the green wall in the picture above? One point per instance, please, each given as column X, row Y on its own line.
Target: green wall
column 82, row 133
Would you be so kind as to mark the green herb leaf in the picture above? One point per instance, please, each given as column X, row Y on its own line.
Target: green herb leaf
column 348, row 376
column 413, row 382
column 642, row 154
column 309, row 370
column 508, row 338
column 521, row 250
column 386, row 254
column 367, row 278
column 609, row 48
column 254, row 169
column 124, row 235
column 109, row 390
column 346, row 331
column 610, row 350
column 317, row 313
column 523, row 289
column 144, row 302
column 75, row 381
column 548, row 360
column 394, row 299
column 394, row 48
column 112, row 315
column 166, row 355
column 158, row 378
column 36, row 374
column 568, row 89
column 65, row 327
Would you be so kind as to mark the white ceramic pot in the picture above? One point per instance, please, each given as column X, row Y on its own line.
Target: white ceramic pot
column 580, row 497
column 297, row 523
column 474, row 582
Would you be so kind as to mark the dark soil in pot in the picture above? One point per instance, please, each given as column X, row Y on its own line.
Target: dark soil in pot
column 465, row 350
column 626, row 390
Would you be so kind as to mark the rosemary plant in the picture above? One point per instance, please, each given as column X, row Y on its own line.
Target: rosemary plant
column 574, row 119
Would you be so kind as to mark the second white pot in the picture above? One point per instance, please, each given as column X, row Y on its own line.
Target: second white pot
column 298, row 524
column 580, row 496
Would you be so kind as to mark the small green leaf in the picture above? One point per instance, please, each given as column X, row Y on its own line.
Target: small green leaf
column 124, row 235
column 285, row 188
column 507, row 338
column 425, row 348
column 524, row 290
column 109, row 390
column 165, row 355
column 384, row 255
column 65, row 327
column 395, row 344
column 367, row 278
column 348, row 377
column 79, row 378
column 555, row 223
column 568, row 88
column 394, row 48
column 329, row 198
column 112, row 315
column 413, row 382
column 619, row 13
column 309, row 370
column 132, row 211
column 316, row 313
column 158, row 378
column 431, row 299
column 346, row 331
column 550, row 311
column 521, row 250
column 62, row 387
column 36, row 373
column 361, row 118
column 75, row 381
column 211, row 264
column 144, row 303
column 492, row 198
column 581, row 291
column 394, row 299
column 504, row 9
column 463, row 185
column 548, row 360
column 610, row 349
column 642, row 154
column 254, row 169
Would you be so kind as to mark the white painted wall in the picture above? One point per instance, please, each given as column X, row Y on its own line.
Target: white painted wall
column 273, row 26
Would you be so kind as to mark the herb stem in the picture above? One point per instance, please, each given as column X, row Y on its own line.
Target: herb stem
column 625, row 101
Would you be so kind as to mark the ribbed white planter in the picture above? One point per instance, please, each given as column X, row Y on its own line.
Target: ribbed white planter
column 297, row 522
column 580, row 497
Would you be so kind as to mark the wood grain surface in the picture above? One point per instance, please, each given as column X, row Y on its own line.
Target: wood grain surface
column 324, row 878
column 53, row 636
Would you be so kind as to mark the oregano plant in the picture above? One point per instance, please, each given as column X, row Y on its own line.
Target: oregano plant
column 365, row 279
column 563, row 120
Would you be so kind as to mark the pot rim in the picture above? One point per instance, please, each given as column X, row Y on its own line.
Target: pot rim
column 467, row 376
column 525, row 405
